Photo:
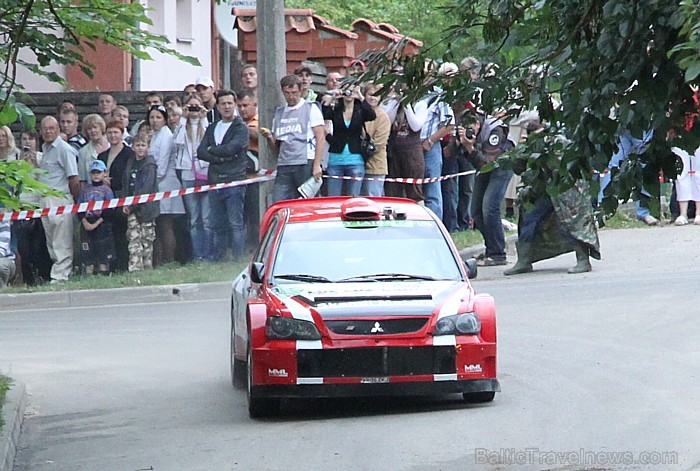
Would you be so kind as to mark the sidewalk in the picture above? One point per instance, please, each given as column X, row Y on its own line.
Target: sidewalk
column 12, row 418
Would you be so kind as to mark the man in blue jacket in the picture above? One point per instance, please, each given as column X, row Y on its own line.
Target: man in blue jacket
column 224, row 146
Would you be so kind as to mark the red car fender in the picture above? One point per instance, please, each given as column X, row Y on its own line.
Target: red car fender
column 257, row 317
column 485, row 307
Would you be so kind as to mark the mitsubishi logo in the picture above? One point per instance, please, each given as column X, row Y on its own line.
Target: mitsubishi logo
column 377, row 328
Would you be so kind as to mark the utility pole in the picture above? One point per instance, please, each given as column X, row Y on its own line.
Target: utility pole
column 272, row 65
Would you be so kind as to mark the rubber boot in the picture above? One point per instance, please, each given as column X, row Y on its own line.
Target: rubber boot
column 583, row 264
column 523, row 265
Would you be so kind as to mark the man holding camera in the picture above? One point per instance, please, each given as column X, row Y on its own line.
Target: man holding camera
column 439, row 124
column 483, row 140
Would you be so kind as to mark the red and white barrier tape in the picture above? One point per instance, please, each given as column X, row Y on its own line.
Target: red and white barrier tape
column 263, row 175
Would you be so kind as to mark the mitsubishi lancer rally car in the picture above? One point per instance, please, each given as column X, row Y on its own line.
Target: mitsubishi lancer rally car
column 359, row 297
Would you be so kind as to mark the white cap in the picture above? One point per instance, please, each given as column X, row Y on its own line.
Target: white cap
column 206, row 81
column 448, row 68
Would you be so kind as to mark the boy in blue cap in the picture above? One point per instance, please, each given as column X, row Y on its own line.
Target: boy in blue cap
column 97, row 244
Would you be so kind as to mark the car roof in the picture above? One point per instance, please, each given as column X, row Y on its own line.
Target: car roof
column 329, row 208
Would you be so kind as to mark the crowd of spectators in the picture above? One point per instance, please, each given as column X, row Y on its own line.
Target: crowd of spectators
column 208, row 136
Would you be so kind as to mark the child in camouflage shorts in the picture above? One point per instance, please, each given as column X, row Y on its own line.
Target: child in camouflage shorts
column 140, row 179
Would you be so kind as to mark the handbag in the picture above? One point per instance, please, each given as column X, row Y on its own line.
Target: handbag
column 367, row 147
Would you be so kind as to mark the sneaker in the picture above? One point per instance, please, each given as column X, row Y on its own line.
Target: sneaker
column 681, row 220
column 696, row 221
column 490, row 262
column 650, row 220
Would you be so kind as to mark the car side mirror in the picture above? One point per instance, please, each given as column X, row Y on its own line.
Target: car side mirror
column 257, row 271
column 470, row 264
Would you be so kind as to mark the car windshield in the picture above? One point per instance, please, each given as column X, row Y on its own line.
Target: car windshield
column 364, row 251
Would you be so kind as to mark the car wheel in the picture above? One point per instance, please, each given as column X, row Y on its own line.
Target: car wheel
column 259, row 407
column 478, row 397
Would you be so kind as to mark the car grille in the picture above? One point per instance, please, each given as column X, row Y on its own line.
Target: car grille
column 376, row 361
column 371, row 327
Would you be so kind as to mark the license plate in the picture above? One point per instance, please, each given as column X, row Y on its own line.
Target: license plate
column 383, row 379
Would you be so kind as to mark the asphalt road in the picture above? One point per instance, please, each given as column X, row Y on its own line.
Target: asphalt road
column 590, row 365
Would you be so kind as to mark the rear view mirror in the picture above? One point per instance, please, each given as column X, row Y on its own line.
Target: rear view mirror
column 470, row 264
column 257, row 271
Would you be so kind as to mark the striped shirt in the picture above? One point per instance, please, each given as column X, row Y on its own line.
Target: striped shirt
column 438, row 112
column 5, row 249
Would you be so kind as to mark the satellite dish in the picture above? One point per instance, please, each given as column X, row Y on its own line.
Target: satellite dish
column 224, row 19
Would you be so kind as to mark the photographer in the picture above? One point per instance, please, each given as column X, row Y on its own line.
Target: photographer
column 483, row 140
column 348, row 112
column 193, row 173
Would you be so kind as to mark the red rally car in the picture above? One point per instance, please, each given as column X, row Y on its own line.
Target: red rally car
column 359, row 297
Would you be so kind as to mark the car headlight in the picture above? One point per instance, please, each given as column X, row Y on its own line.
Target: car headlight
column 467, row 323
column 286, row 328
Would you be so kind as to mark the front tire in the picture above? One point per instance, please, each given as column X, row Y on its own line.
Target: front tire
column 479, row 397
column 259, row 407
column 238, row 369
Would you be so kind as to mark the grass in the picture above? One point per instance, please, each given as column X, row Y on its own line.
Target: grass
column 5, row 384
column 464, row 239
column 199, row 272
column 623, row 220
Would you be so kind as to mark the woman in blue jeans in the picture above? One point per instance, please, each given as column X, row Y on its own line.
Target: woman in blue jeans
column 483, row 141
column 348, row 111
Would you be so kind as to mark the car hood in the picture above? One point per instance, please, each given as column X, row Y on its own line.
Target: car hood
column 377, row 299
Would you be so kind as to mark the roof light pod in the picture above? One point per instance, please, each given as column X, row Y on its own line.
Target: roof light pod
column 360, row 209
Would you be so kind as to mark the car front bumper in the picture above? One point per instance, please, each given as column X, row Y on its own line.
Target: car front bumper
column 378, row 389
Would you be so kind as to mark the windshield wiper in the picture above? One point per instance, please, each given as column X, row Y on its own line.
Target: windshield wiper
column 304, row 277
column 387, row 276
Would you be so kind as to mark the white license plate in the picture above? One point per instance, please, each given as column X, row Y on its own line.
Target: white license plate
column 383, row 379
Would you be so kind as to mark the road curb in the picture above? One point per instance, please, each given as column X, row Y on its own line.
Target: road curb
column 12, row 416
column 103, row 297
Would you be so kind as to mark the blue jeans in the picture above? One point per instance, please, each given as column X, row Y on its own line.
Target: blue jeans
column 450, row 194
column 373, row 187
column 433, row 168
column 289, row 178
column 339, row 187
column 227, row 206
column 201, row 225
column 627, row 145
column 489, row 191
column 466, row 190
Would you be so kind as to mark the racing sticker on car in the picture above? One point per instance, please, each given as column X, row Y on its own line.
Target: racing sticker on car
column 277, row 373
column 473, row 368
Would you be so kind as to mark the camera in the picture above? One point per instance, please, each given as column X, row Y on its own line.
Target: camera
column 26, row 149
column 469, row 133
column 347, row 92
column 193, row 108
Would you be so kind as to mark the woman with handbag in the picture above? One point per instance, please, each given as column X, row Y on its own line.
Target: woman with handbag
column 348, row 111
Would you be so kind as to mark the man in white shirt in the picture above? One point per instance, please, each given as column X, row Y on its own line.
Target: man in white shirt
column 298, row 136
column 61, row 166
